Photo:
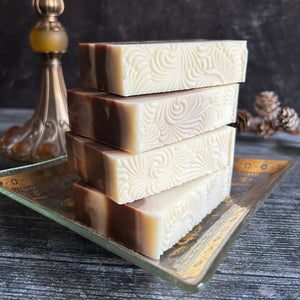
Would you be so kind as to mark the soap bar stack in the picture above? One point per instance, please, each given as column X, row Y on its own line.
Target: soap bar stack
column 156, row 163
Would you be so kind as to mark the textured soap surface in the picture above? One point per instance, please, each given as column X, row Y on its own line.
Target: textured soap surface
column 128, row 69
column 153, row 224
column 125, row 177
column 139, row 123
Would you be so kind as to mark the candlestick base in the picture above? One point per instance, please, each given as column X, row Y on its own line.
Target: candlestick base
column 43, row 136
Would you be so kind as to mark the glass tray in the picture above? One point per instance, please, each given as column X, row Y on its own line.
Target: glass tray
column 47, row 188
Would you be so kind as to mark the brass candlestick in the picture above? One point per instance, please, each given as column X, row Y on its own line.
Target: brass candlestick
column 43, row 136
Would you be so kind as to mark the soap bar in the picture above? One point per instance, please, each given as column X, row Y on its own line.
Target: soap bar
column 155, row 223
column 125, row 177
column 137, row 68
column 139, row 123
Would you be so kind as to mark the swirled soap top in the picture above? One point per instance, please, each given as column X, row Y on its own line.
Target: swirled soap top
column 137, row 68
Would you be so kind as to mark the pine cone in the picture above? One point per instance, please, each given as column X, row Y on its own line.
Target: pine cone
column 267, row 128
column 267, row 105
column 288, row 118
column 244, row 121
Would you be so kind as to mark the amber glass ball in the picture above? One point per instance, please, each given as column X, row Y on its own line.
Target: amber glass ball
column 21, row 147
column 48, row 40
column 47, row 149
column 10, row 135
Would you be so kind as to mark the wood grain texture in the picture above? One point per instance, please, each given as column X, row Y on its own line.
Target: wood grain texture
column 40, row 259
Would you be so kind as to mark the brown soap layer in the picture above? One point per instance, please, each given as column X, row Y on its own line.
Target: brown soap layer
column 79, row 194
column 85, row 64
column 99, row 120
column 86, row 53
column 121, row 222
column 101, row 75
column 85, row 161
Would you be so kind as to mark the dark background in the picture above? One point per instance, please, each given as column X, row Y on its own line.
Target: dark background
column 272, row 29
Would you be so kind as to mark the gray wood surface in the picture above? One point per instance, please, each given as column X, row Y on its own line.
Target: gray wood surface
column 40, row 259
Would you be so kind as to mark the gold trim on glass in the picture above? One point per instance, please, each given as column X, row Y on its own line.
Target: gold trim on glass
column 47, row 188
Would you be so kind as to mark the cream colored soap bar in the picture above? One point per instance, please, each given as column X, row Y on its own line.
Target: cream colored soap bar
column 153, row 224
column 125, row 177
column 141, row 123
column 136, row 68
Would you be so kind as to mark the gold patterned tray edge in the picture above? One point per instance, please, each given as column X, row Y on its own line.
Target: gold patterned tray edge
column 271, row 186
column 132, row 256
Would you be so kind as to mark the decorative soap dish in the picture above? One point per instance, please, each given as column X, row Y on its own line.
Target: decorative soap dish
column 47, row 188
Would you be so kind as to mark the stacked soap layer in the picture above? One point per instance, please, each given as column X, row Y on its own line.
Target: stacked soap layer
column 142, row 68
column 125, row 177
column 155, row 223
column 139, row 123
